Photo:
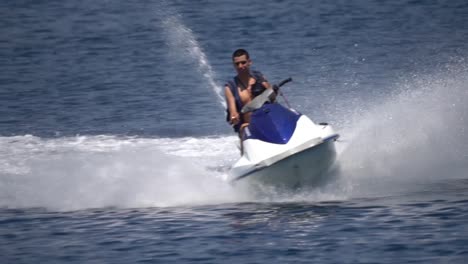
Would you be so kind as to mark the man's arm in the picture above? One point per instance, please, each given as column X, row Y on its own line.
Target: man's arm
column 231, row 104
column 264, row 81
column 266, row 84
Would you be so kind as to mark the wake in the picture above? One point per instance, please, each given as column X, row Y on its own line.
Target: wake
column 106, row 171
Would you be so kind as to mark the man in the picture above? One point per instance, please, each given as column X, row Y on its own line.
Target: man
column 242, row 89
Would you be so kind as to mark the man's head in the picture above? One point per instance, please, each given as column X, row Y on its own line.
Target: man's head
column 241, row 61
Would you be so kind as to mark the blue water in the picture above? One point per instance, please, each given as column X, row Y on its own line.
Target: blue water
column 114, row 148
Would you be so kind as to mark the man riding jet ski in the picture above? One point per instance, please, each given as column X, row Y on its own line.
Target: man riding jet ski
column 279, row 146
column 241, row 89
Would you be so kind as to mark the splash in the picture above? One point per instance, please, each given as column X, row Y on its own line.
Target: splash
column 182, row 40
column 74, row 173
column 418, row 134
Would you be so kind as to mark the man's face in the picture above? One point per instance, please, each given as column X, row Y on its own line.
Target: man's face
column 241, row 63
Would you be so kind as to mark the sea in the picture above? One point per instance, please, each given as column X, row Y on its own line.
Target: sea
column 114, row 146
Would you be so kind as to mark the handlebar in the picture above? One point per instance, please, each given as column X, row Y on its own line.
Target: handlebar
column 283, row 82
column 266, row 96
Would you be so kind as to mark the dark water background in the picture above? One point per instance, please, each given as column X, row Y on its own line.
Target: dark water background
column 114, row 149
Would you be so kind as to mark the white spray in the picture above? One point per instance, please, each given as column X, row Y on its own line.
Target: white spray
column 183, row 41
column 416, row 136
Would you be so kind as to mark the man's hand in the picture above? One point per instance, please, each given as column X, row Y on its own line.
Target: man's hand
column 235, row 119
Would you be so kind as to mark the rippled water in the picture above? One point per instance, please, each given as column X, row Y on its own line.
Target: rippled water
column 114, row 149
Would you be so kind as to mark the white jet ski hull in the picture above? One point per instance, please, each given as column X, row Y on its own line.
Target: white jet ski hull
column 304, row 168
column 281, row 147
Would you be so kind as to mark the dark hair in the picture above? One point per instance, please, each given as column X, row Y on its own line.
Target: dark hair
column 240, row 52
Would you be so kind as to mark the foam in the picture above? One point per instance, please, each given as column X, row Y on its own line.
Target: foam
column 101, row 171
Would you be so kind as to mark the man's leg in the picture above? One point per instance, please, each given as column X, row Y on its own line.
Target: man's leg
column 241, row 136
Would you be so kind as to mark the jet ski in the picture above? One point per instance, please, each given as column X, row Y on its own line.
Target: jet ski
column 282, row 147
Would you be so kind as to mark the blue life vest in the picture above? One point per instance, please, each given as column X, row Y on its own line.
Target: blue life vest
column 256, row 89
